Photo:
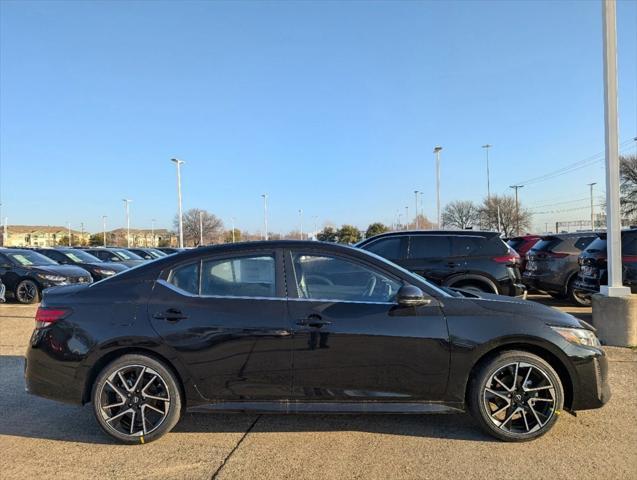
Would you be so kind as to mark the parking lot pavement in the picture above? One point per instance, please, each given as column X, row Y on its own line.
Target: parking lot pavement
column 44, row 439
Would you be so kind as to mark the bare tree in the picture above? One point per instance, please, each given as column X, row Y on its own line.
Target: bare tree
column 628, row 176
column 212, row 227
column 461, row 214
column 500, row 213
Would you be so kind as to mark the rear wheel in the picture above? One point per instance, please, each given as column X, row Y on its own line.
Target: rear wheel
column 27, row 291
column 136, row 399
column 516, row 396
column 577, row 296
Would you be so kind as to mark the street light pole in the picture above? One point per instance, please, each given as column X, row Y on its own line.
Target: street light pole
column 437, row 150
column 486, row 148
column 416, row 221
column 179, row 163
column 152, row 232
column 315, row 218
column 615, row 286
column 69, row 225
column 406, row 217
column 517, row 208
column 301, row 222
column 104, row 230
column 232, row 229
column 126, row 206
column 592, row 206
column 265, row 216
column 82, row 233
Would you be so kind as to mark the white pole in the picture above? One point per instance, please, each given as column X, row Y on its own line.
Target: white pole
column 487, row 147
column 265, row 216
column 592, row 206
column 152, row 232
column 126, row 205
column 437, row 153
column 200, row 227
column 232, row 229
column 179, row 163
column 301, row 222
column 416, row 221
column 69, row 225
column 615, row 286
column 406, row 217
column 104, row 230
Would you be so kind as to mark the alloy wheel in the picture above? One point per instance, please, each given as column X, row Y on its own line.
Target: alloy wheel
column 134, row 400
column 519, row 398
column 27, row 292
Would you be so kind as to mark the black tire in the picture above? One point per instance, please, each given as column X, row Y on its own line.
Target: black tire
column 578, row 297
column 130, row 407
column 558, row 296
column 530, row 413
column 27, row 292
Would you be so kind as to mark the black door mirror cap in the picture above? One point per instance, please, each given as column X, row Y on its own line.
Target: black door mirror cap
column 411, row 296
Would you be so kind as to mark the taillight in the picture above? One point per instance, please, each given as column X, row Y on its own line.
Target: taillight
column 629, row 258
column 46, row 317
column 511, row 257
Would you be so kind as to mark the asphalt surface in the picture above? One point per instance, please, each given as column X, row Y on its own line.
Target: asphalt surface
column 44, row 439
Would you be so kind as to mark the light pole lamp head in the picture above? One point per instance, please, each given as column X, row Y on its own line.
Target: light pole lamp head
column 177, row 161
column 487, row 146
column 437, row 148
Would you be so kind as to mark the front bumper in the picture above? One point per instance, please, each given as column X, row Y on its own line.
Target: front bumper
column 592, row 389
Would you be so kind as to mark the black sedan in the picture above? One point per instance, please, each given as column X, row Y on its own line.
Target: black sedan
column 116, row 255
column 306, row 326
column 98, row 269
column 26, row 274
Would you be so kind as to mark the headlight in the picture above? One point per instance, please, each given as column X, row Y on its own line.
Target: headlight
column 106, row 273
column 579, row 336
column 52, row 278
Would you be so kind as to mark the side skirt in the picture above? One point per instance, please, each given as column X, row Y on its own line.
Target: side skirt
column 285, row 406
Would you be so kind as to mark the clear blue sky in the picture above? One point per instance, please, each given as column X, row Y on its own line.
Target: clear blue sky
column 332, row 107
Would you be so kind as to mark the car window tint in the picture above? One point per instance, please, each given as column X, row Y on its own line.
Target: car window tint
column 333, row 278
column 186, row 278
column 546, row 244
column 388, row 248
column 597, row 246
column 629, row 245
column 464, row 246
column 583, row 242
column 239, row 277
column 429, row 246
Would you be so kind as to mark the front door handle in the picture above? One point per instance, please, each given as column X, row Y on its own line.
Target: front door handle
column 172, row 315
column 313, row 320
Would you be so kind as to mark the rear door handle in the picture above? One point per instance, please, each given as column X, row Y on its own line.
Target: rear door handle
column 313, row 320
column 172, row 315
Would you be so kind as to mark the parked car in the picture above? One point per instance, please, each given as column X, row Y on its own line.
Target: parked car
column 26, row 274
column 116, row 255
column 147, row 253
column 466, row 259
column 552, row 265
column 298, row 326
column 170, row 250
column 593, row 266
column 522, row 245
column 98, row 269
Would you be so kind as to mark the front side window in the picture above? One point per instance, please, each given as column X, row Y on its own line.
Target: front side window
column 239, row 277
column 186, row 278
column 388, row 248
column 321, row 277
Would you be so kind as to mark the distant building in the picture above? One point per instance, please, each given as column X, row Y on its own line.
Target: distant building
column 40, row 236
column 141, row 238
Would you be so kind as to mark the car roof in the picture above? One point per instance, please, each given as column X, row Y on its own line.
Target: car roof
column 402, row 233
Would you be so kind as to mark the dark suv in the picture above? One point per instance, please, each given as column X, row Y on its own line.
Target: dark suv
column 552, row 265
column 466, row 259
column 522, row 245
column 593, row 267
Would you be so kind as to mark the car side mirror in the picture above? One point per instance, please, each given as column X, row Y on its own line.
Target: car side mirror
column 411, row 296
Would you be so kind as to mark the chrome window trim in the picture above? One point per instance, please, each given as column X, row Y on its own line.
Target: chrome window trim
column 194, row 295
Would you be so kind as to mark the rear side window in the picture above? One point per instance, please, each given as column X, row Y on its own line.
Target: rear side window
column 429, row 246
column 515, row 243
column 239, row 277
column 583, row 242
column 388, row 248
column 186, row 278
column 629, row 245
column 597, row 245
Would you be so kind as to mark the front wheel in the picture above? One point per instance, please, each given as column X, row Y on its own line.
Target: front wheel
column 516, row 396
column 578, row 297
column 136, row 399
column 27, row 291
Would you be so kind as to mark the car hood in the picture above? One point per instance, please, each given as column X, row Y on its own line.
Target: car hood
column 526, row 309
column 65, row 270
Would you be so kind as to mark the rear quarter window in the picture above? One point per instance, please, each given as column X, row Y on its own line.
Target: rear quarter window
column 597, row 245
column 388, row 248
column 546, row 244
column 583, row 242
column 429, row 246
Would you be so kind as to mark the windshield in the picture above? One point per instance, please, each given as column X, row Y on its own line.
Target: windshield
column 80, row 256
column 546, row 244
column 410, row 274
column 126, row 255
column 27, row 258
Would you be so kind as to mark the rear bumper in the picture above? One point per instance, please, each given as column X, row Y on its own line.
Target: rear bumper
column 587, row 284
